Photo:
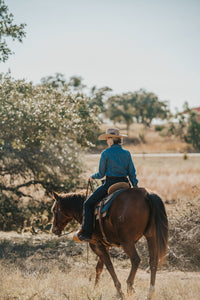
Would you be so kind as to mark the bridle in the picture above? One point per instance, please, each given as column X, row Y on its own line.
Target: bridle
column 89, row 188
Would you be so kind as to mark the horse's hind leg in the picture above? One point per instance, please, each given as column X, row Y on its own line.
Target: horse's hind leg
column 135, row 261
column 104, row 256
column 153, row 262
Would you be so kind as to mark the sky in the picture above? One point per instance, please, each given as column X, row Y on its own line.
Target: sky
column 123, row 44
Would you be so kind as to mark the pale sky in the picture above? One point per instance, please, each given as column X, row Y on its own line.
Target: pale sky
column 123, row 44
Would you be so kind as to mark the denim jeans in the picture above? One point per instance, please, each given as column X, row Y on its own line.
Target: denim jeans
column 96, row 197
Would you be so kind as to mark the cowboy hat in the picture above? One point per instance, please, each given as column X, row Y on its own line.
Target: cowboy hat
column 111, row 133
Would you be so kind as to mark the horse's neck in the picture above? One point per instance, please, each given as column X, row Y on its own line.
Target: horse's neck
column 75, row 205
column 78, row 215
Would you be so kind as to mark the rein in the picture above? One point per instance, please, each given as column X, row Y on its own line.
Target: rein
column 89, row 186
column 66, row 233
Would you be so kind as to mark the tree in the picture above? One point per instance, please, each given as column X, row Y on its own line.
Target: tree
column 55, row 81
column 148, row 107
column 58, row 80
column 76, row 82
column 120, row 109
column 188, row 126
column 42, row 134
column 97, row 98
column 8, row 29
column 193, row 131
column 139, row 106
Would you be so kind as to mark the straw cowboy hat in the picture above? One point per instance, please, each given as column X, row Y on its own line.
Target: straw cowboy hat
column 111, row 133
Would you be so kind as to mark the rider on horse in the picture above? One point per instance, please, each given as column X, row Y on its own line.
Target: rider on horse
column 116, row 164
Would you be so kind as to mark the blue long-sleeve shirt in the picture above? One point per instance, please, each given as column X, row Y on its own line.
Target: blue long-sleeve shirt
column 116, row 161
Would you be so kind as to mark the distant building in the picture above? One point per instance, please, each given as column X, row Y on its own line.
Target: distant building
column 196, row 110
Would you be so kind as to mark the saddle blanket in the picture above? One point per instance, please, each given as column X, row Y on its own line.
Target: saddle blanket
column 107, row 201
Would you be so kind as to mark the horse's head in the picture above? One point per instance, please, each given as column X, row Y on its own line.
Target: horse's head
column 60, row 217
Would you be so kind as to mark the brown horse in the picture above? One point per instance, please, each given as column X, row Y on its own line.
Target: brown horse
column 134, row 213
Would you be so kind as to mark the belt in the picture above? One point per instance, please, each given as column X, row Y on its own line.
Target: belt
column 115, row 177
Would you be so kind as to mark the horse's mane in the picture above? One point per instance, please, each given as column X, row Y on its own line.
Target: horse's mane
column 74, row 200
column 79, row 195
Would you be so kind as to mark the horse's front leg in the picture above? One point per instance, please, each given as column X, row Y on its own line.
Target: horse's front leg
column 99, row 269
column 104, row 256
column 99, row 266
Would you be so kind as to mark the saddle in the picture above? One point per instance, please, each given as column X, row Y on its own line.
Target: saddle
column 102, row 208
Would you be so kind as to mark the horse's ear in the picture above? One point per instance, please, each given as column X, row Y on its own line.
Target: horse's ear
column 55, row 195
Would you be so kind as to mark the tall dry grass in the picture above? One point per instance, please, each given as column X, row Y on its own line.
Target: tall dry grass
column 48, row 268
column 78, row 284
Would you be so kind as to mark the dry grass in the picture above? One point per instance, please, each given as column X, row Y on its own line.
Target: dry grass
column 147, row 140
column 78, row 283
column 43, row 267
column 173, row 178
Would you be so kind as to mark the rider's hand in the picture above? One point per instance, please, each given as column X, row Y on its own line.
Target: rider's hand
column 91, row 179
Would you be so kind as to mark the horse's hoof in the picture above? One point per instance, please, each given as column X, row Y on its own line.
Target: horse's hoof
column 151, row 292
column 121, row 296
column 130, row 290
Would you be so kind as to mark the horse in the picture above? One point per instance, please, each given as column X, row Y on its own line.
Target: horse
column 134, row 213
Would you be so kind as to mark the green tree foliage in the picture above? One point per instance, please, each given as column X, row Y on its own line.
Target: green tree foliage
column 42, row 133
column 120, row 109
column 58, row 80
column 140, row 106
column 98, row 97
column 55, row 81
column 148, row 107
column 188, row 126
column 8, row 29
column 193, row 131
column 76, row 82
column 44, row 130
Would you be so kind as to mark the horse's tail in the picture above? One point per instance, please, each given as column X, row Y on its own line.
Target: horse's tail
column 159, row 217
